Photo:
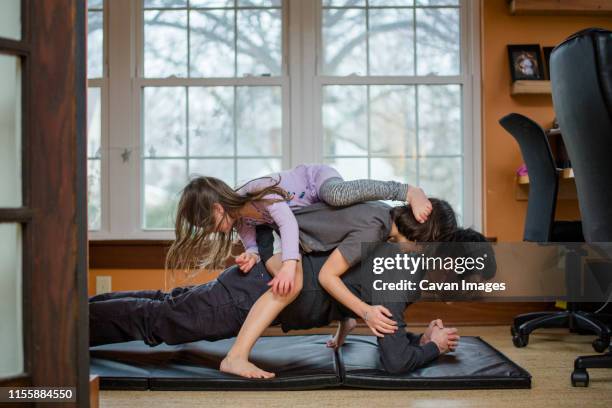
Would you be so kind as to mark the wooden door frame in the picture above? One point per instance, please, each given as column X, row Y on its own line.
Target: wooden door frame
column 54, row 214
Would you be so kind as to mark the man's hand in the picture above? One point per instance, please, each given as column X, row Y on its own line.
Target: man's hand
column 426, row 337
column 283, row 282
column 246, row 261
column 378, row 320
column 446, row 339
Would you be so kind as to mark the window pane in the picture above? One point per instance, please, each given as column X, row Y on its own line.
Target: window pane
column 391, row 42
column 259, row 42
column 95, row 4
column 94, row 193
column 10, row 19
column 211, row 3
column 95, row 44
column 393, row 120
column 345, row 120
column 436, row 2
column 211, row 121
column 249, row 169
column 164, row 122
column 163, row 180
column 438, row 41
column 343, row 3
column 220, row 168
column 259, row 123
column 212, row 43
column 386, row 3
column 350, row 169
column 10, row 132
column 443, row 178
column 344, row 45
column 165, row 52
column 94, row 122
column 165, row 3
column 400, row 169
column 11, row 289
column 440, row 130
column 259, row 3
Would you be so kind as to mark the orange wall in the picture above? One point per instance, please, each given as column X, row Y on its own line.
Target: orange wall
column 139, row 279
column 504, row 215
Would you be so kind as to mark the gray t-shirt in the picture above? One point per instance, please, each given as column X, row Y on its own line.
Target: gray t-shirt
column 323, row 228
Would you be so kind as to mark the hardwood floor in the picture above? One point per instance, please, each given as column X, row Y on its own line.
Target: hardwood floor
column 549, row 358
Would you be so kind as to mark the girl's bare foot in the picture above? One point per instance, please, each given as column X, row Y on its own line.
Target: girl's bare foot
column 344, row 328
column 420, row 204
column 243, row 368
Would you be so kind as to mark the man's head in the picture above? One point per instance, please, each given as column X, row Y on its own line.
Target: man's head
column 480, row 247
column 463, row 245
column 440, row 225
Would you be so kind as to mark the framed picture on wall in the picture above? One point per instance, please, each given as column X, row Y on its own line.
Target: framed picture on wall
column 547, row 51
column 525, row 62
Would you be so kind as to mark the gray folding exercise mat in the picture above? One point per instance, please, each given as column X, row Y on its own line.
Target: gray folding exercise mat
column 300, row 362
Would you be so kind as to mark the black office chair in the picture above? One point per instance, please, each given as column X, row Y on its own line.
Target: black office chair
column 581, row 77
column 540, row 226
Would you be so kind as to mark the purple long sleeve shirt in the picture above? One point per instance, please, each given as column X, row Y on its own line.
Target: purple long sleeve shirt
column 302, row 183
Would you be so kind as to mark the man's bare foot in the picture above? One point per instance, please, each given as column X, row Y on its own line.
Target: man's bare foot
column 426, row 337
column 344, row 328
column 420, row 204
column 243, row 368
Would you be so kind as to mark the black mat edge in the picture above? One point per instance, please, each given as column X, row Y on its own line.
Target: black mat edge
column 230, row 384
column 124, row 383
column 451, row 383
column 440, row 383
column 523, row 372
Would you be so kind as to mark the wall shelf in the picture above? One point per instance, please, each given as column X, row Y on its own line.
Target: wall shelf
column 557, row 7
column 567, row 186
column 524, row 87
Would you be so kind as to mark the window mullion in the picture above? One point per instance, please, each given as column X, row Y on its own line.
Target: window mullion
column 122, row 197
column 304, row 105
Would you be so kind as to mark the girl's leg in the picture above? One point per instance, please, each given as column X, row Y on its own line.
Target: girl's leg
column 338, row 193
column 260, row 317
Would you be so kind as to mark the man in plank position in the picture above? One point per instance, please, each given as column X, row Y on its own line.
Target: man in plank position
column 217, row 309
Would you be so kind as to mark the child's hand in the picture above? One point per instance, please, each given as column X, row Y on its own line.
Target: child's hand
column 377, row 319
column 282, row 284
column 246, row 261
column 420, row 204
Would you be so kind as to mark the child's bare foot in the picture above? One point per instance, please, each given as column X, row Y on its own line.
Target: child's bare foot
column 420, row 204
column 345, row 327
column 243, row 368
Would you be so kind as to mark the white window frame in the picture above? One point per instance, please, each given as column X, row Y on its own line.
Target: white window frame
column 302, row 126
column 102, row 84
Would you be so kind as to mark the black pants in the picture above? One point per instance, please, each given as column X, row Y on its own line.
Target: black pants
column 192, row 313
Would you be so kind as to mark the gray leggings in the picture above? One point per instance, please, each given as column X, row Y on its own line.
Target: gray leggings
column 338, row 193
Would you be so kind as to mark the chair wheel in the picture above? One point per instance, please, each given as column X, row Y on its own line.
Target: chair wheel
column 599, row 345
column 513, row 330
column 520, row 340
column 580, row 378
